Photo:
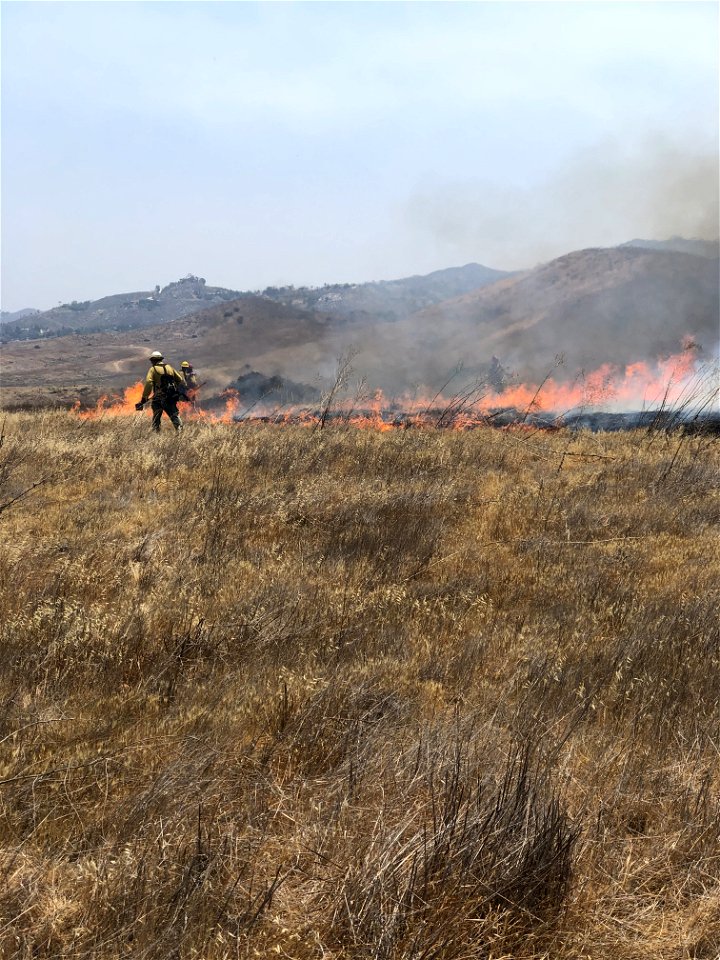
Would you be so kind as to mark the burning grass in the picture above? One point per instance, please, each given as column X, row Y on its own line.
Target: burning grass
column 678, row 390
column 357, row 694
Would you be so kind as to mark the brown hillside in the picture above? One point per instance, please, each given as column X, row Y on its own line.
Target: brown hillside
column 219, row 341
column 593, row 306
column 122, row 311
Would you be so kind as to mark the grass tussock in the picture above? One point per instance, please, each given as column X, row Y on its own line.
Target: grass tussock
column 344, row 694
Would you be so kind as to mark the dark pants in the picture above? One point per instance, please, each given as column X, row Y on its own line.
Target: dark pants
column 160, row 405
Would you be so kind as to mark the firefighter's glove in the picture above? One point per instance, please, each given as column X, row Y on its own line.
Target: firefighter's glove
column 139, row 406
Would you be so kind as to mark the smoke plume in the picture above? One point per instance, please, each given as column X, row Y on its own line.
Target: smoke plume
column 604, row 196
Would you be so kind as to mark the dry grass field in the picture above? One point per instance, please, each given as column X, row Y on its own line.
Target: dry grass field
column 343, row 694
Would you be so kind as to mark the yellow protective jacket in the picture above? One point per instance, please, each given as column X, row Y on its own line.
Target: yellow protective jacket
column 153, row 380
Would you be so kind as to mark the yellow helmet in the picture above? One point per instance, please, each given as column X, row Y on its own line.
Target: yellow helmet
column 184, row 364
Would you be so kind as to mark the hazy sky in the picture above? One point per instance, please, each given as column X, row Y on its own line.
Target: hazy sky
column 275, row 143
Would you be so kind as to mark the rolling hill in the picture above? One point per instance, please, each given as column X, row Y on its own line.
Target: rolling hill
column 123, row 311
column 597, row 306
column 223, row 342
column 384, row 300
column 388, row 300
column 616, row 305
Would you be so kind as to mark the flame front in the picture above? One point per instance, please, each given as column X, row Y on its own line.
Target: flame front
column 113, row 406
column 667, row 383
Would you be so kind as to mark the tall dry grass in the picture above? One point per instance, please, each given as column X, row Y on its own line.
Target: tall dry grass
column 343, row 694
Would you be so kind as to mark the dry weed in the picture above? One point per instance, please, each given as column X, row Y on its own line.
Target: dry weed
column 347, row 694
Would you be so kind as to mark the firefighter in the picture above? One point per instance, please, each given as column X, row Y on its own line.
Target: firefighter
column 191, row 384
column 164, row 384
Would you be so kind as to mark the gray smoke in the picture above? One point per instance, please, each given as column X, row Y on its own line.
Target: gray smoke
column 604, row 196
column 590, row 308
column 653, row 189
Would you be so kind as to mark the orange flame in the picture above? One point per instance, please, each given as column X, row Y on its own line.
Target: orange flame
column 113, row 406
column 640, row 385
